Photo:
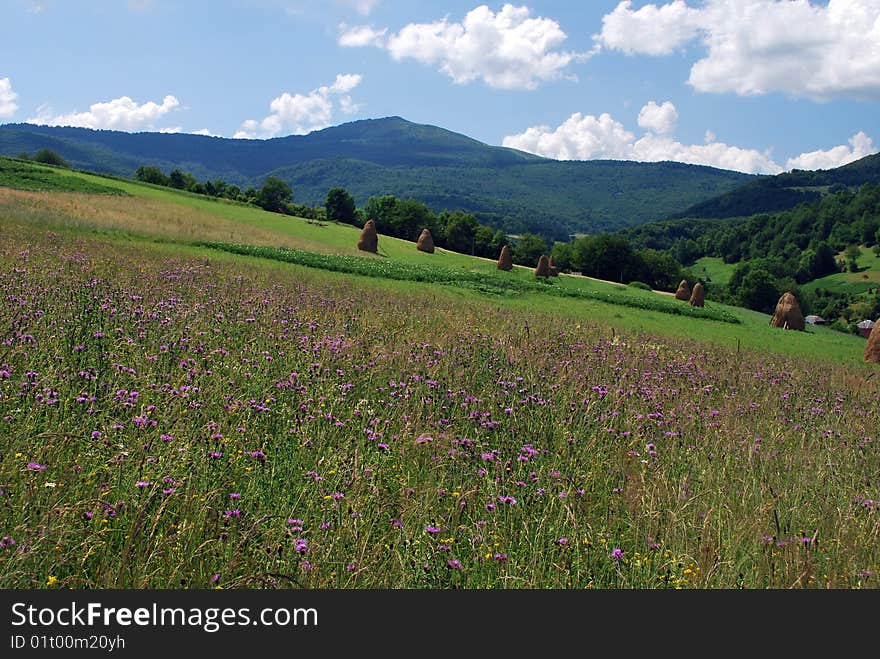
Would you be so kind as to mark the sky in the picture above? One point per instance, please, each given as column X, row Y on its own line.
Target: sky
column 759, row 86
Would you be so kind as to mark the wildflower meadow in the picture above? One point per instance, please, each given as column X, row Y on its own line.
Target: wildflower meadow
column 184, row 418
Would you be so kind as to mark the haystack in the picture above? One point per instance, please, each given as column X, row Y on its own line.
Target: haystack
column 426, row 242
column 554, row 271
column 505, row 262
column 788, row 313
column 698, row 296
column 369, row 240
column 872, row 350
column 684, row 291
column 543, row 267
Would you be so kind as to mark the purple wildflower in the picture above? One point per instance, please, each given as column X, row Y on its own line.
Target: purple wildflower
column 36, row 466
column 617, row 554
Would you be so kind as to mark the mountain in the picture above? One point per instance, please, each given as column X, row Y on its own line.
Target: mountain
column 769, row 194
column 505, row 188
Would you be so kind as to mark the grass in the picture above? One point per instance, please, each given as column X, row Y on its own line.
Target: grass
column 24, row 175
column 867, row 278
column 176, row 417
column 164, row 215
column 715, row 269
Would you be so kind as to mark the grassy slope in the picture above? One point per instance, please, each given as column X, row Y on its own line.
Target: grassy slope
column 160, row 213
column 714, row 268
column 868, row 276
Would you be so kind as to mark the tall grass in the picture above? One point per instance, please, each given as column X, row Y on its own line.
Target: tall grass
column 195, row 422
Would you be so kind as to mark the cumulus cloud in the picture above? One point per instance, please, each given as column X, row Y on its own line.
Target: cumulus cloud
column 660, row 119
column 753, row 47
column 580, row 137
column 7, row 99
column 299, row 114
column 585, row 137
column 119, row 114
column 510, row 49
column 860, row 145
column 651, row 30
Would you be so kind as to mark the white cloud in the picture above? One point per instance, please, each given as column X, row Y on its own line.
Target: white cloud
column 651, row 30
column 660, row 119
column 653, row 148
column 205, row 132
column 171, row 130
column 119, row 114
column 7, row 99
column 302, row 113
column 580, row 137
column 507, row 50
column 797, row 47
column 361, row 35
column 585, row 137
column 860, row 145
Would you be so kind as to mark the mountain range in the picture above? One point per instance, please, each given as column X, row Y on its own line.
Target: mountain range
column 505, row 188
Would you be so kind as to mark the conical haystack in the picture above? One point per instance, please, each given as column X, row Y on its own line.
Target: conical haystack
column 543, row 267
column 698, row 296
column 872, row 350
column 788, row 313
column 684, row 291
column 426, row 242
column 505, row 262
column 369, row 240
column 554, row 271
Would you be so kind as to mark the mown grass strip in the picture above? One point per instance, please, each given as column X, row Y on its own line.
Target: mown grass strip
column 491, row 283
column 42, row 178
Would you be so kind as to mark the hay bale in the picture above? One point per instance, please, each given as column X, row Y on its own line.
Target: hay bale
column 369, row 240
column 543, row 267
column 505, row 262
column 698, row 296
column 426, row 242
column 788, row 314
column 872, row 350
column 554, row 271
column 684, row 291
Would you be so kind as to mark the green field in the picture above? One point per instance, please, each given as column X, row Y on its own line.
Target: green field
column 867, row 278
column 153, row 212
column 196, row 395
column 716, row 271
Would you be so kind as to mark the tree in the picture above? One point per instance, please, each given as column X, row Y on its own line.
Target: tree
column 274, row 195
column 758, row 290
column 150, row 174
column 340, row 206
column 529, row 249
column 49, row 157
column 852, row 253
column 181, row 180
column 461, row 231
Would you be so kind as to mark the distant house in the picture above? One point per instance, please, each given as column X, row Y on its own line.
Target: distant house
column 815, row 320
column 865, row 327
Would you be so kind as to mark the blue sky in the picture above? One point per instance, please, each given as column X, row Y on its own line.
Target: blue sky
column 752, row 85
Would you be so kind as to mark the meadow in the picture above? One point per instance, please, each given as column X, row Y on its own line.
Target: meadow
column 198, row 394
column 178, row 417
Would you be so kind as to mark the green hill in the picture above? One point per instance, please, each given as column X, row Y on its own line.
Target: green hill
column 769, row 194
column 508, row 189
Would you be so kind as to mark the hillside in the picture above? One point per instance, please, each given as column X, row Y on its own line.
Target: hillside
column 171, row 409
column 769, row 194
column 508, row 189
